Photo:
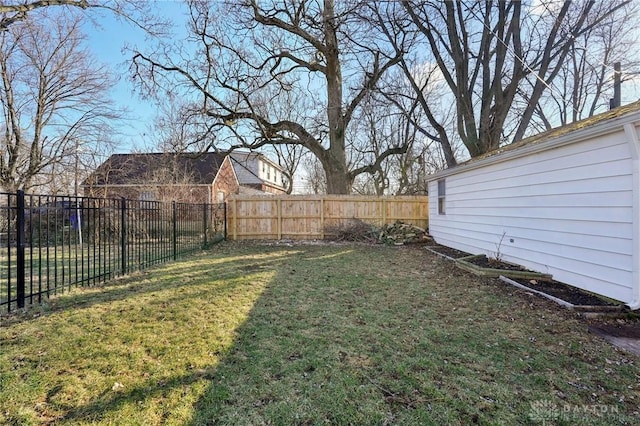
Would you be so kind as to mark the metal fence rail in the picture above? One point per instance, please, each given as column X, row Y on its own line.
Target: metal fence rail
column 49, row 244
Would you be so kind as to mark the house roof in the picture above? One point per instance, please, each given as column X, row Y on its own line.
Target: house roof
column 569, row 133
column 245, row 165
column 135, row 169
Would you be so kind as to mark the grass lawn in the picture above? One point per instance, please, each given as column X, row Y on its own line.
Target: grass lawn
column 309, row 334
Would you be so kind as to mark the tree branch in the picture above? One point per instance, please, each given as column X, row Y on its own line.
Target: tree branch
column 372, row 168
column 20, row 11
column 292, row 29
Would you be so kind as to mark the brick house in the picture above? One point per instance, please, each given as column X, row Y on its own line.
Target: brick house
column 184, row 177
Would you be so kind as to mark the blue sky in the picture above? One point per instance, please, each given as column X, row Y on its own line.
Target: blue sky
column 106, row 41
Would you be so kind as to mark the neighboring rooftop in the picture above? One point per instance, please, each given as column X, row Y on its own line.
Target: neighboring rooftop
column 246, row 167
column 138, row 168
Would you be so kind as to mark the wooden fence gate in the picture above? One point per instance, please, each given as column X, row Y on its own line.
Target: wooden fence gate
column 306, row 217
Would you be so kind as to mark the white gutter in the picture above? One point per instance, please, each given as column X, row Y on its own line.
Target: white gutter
column 634, row 146
column 593, row 131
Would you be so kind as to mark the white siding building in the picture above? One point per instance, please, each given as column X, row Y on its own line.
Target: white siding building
column 256, row 171
column 566, row 202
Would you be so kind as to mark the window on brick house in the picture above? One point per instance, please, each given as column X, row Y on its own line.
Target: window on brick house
column 148, row 196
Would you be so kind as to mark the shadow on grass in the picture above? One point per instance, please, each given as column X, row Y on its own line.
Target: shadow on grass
column 231, row 280
column 317, row 348
column 179, row 273
column 384, row 336
column 347, row 335
column 282, row 297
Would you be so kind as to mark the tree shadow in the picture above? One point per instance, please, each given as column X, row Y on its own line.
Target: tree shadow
column 174, row 274
column 331, row 339
column 282, row 295
column 231, row 274
column 292, row 362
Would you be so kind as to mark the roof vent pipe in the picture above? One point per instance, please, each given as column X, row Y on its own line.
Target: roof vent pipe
column 617, row 82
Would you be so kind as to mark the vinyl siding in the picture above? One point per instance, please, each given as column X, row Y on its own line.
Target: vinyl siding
column 567, row 211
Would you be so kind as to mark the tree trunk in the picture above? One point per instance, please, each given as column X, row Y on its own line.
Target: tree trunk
column 335, row 160
column 337, row 175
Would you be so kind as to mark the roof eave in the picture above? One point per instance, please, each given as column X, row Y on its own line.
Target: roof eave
column 578, row 135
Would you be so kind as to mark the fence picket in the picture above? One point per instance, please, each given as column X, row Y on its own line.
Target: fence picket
column 20, row 247
column 306, row 217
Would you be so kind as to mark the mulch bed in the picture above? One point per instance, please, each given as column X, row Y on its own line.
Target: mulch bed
column 562, row 291
column 485, row 262
column 448, row 251
column 565, row 292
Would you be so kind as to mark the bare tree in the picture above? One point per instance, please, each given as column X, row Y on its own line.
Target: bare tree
column 175, row 128
column 289, row 159
column 169, row 180
column 316, row 182
column 252, row 53
column 391, row 118
column 138, row 13
column 488, row 54
column 71, row 174
column 52, row 95
column 102, row 181
column 377, row 126
column 584, row 83
column 12, row 13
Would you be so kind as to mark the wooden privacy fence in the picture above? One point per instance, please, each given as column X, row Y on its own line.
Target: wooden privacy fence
column 304, row 217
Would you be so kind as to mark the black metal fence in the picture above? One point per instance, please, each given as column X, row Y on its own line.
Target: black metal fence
column 49, row 244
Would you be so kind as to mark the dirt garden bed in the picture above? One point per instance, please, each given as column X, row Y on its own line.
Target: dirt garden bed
column 486, row 267
column 578, row 298
column 447, row 252
column 538, row 283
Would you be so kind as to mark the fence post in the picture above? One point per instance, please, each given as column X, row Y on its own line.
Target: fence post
column 235, row 219
column 224, row 212
column 204, row 224
column 175, row 230
column 20, row 237
column 384, row 212
column 123, row 235
column 322, row 218
column 279, row 224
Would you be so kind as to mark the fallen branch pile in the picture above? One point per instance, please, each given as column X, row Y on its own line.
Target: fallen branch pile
column 352, row 230
column 402, row 233
column 356, row 230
